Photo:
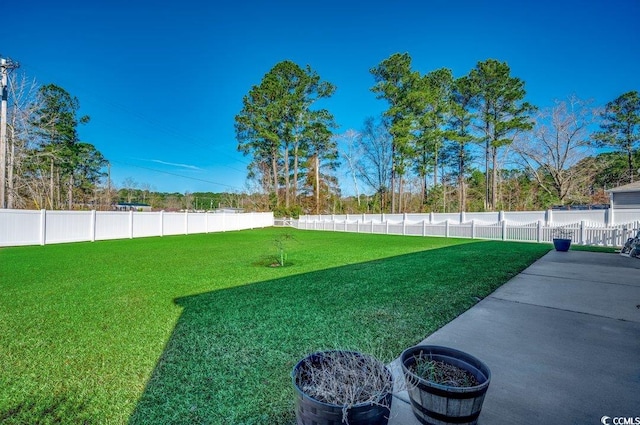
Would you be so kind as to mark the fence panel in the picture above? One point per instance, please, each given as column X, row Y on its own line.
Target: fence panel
column 174, row 224
column 626, row 216
column 28, row 227
column 20, row 227
column 483, row 217
column 525, row 217
column 522, row 233
column 68, row 226
column 197, row 223
column 460, row 231
column 146, row 224
column 112, row 225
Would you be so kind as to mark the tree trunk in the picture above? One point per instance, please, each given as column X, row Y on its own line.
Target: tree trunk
column 494, row 179
column 630, row 159
column 393, row 179
column 274, row 170
column 461, row 187
column 295, row 172
column 70, row 192
column 317, row 172
column 287, row 188
column 51, row 191
column 12, row 162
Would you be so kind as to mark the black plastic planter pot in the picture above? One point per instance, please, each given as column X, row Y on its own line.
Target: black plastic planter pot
column 562, row 245
column 310, row 411
column 436, row 404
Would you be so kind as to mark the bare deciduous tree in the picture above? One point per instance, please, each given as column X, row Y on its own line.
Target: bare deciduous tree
column 559, row 140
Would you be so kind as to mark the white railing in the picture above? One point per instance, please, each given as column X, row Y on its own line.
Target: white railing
column 586, row 227
column 28, row 227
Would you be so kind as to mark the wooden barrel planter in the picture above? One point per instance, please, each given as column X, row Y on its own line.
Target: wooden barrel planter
column 437, row 404
column 311, row 411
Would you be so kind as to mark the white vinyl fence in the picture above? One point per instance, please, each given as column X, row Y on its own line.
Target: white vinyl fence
column 594, row 227
column 29, row 227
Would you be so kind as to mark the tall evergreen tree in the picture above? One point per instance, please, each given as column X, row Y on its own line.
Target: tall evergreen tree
column 501, row 113
column 57, row 122
column 273, row 120
column 431, row 107
column 460, row 119
column 395, row 82
column 620, row 128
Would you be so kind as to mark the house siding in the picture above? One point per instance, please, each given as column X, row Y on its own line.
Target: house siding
column 626, row 200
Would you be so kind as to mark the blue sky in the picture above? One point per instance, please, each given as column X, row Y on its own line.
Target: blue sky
column 162, row 81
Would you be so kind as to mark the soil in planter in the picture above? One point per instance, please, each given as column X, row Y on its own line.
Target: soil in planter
column 344, row 378
column 443, row 373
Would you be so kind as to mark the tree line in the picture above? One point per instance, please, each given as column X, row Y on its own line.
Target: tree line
column 469, row 143
column 444, row 143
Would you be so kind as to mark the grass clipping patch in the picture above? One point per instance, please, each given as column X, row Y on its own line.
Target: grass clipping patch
column 343, row 378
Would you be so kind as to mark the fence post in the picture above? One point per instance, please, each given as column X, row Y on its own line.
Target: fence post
column 504, row 230
column 404, row 223
column 186, row 222
column 500, row 216
column 424, row 227
column 371, row 225
column 431, row 217
column 43, row 227
column 446, row 228
column 387, row 230
column 582, row 233
column 473, row 229
column 334, row 224
column 463, row 217
column 539, row 231
column 162, row 223
column 548, row 217
column 130, row 224
column 206, row 221
column 357, row 226
column 92, row 226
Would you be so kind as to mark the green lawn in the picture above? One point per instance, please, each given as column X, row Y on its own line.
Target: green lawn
column 198, row 329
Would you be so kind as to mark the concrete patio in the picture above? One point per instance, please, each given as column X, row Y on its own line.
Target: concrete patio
column 562, row 340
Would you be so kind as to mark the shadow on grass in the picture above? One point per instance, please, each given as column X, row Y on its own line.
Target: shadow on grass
column 229, row 358
column 53, row 409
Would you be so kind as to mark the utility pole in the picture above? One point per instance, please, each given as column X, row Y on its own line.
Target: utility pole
column 5, row 66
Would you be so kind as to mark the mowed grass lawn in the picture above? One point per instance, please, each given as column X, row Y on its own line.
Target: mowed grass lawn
column 198, row 329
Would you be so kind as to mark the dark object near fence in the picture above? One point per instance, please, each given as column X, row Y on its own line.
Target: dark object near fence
column 562, row 245
column 438, row 404
column 311, row 411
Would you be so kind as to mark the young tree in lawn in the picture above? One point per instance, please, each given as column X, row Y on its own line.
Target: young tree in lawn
column 620, row 127
column 395, row 82
column 375, row 164
column 502, row 113
column 557, row 144
column 273, row 118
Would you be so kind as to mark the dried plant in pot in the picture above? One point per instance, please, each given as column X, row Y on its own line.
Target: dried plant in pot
column 562, row 239
column 445, row 385
column 342, row 387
